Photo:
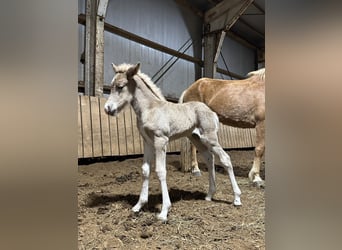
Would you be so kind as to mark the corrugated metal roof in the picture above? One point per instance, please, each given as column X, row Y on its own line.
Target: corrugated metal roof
column 250, row 26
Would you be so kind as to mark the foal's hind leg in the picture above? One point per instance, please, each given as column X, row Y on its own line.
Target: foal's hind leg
column 254, row 173
column 227, row 164
column 148, row 154
column 211, row 141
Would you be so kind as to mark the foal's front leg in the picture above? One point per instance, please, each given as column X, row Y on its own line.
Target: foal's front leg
column 148, row 154
column 160, row 147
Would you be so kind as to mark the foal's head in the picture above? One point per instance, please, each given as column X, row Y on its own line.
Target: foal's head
column 122, row 88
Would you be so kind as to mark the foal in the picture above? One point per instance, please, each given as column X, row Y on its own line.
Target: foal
column 160, row 121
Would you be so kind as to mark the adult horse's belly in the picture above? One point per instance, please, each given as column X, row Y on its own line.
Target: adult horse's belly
column 237, row 108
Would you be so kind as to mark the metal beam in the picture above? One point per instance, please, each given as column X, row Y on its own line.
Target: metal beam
column 190, row 7
column 226, row 12
column 209, row 51
column 251, row 27
column 219, row 45
column 133, row 37
column 159, row 47
column 258, row 7
column 240, row 11
column 230, row 34
column 219, row 10
column 102, row 8
column 241, row 40
column 219, row 18
column 225, row 72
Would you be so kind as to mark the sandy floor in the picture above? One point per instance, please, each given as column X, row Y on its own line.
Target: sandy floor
column 108, row 190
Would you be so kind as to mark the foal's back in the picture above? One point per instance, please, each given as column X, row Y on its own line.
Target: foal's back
column 178, row 120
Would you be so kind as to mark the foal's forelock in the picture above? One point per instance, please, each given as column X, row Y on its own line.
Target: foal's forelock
column 145, row 79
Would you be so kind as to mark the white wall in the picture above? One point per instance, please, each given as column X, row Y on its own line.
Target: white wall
column 238, row 58
column 166, row 23
column 162, row 22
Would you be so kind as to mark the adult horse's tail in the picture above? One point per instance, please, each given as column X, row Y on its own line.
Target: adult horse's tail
column 180, row 100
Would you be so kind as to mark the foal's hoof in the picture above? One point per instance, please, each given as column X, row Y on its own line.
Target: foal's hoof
column 196, row 173
column 162, row 218
column 135, row 209
column 237, row 203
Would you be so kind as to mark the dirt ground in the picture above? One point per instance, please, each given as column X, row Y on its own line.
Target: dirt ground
column 108, row 190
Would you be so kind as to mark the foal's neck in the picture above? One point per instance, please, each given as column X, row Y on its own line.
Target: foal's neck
column 144, row 98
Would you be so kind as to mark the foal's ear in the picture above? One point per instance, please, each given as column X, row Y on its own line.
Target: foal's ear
column 133, row 70
column 115, row 67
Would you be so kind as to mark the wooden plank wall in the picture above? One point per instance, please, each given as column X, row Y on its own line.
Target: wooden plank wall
column 100, row 135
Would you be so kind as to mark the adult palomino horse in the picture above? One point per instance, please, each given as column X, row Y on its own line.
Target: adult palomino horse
column 238, row 103
column 160, row 121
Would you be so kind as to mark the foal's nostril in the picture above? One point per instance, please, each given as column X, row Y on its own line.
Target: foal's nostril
column 109, row 109
column 106, row 109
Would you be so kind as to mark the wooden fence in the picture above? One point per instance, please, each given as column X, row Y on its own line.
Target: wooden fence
column 101, row 135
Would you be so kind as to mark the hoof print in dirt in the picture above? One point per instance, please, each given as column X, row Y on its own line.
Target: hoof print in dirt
column 134, row 214
column 163, row 222
column 233, row 228
column 146, row 234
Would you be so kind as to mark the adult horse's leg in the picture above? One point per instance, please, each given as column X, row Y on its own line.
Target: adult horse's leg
column 194, row 163
column 160, row 147
column 148, row 154
column 254, row 173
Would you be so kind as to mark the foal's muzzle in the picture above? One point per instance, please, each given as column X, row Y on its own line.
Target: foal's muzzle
column 110, row 109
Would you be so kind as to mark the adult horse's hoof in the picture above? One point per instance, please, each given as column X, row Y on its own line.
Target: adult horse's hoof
column 259, row 184
column 196, row 173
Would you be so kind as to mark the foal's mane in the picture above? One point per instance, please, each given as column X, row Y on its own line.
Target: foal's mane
column 145, row 79
column 260, row 74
